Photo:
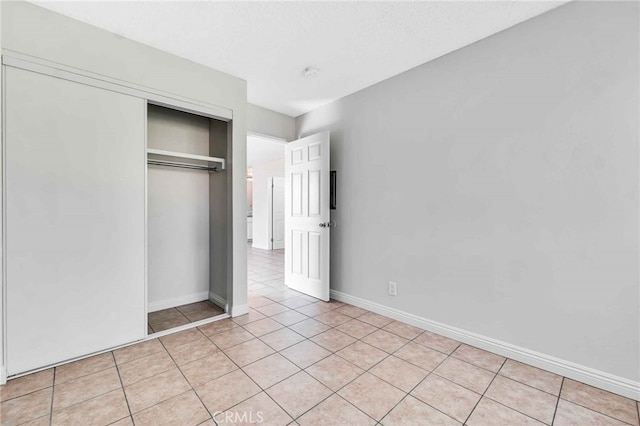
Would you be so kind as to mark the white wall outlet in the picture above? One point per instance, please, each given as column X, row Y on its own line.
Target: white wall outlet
column 393, row 289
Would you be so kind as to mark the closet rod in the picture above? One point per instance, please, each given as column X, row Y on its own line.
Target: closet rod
column 181, row 165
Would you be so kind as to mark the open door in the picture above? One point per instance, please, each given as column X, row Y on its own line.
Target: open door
column 307, row 226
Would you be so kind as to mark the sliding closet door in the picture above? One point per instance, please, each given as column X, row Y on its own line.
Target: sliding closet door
column 75, row 170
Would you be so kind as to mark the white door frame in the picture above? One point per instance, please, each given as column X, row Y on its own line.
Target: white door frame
column 270, row 209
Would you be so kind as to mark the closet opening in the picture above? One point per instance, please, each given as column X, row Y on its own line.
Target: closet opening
column 187, row 239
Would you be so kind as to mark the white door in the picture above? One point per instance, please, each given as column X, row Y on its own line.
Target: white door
column 306, row 174
column 277, row 206
column 75, row 217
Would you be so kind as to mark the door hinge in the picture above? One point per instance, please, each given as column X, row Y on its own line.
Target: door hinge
column 272, row 240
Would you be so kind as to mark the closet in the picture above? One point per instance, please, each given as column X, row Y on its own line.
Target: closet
column 186, row 188
column 114, row 209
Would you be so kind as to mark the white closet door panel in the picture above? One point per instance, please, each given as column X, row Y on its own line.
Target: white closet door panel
column 75, row 169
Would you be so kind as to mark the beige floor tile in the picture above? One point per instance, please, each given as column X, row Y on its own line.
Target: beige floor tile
column 207, row 368
column 219, row 326
column 333, row 340
column 272, row 309
column 138, row 350
column 166, row 319
column 26, row 384
column 282, row 339
column 419, row 355
column 237, row 387
column 437, row 342
column 532, row 376
column 399, row 373
column 262, row 327
column 305, row 353
column 335, row 411
column 384, row 340
column 85, row 387
column 257, row 301
column 530, row 401
column 356, row 328
column 184, row 410
column 317, row 308
column 309, row 327
column 352, row 311
column 193, row 350
column 156, row 389
column 363, row 355
column 26, row 408
column 570, row 414
column 233, row 337
column 270, row 370
column 296, row 302
column 334, row 372
column 248, row 352
column 471, row 377
column 40, row 421
column 411, row 412
column 372, row 395
column 102, row 410
column 332, row 318
column 127, row 421
column 84, row 367
column 298, row 393
column 489, row 412
column 143, row 368
column 601, row 401
column 403, row 330
column 252, row 316
column 283, row 295
column 448, row 397
column 180, row 338
column 289, row 318
column 259, row 409
column 479, row 357
column 209, row 422
column 374, row 319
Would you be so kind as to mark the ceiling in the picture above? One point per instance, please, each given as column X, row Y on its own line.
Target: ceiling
column 261, row 150
column 352, row 44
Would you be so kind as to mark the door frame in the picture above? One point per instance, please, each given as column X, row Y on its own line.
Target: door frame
column 270, row 209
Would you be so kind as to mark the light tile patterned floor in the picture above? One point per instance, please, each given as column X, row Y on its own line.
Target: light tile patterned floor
column 294, row 360
column 181, row 315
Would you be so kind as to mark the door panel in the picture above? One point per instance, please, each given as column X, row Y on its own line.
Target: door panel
column 75, row 218
column 307, row 215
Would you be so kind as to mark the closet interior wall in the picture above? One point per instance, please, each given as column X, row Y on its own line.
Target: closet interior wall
column 186, row 210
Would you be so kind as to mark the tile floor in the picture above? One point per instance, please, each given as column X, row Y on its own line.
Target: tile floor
column 294, row 360
column 181, row 315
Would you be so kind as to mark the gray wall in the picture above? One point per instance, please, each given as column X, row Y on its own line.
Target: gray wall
column 498, row 185
column 271, row 123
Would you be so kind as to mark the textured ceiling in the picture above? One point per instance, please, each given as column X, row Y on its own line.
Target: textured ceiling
column 353, row 44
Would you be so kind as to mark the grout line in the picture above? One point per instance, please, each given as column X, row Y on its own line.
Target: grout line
column 53, row 392
column 485, row 391
column 555, row 411
column 122, row 387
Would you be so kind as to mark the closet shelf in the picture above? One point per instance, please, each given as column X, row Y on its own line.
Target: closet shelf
column 191, row 161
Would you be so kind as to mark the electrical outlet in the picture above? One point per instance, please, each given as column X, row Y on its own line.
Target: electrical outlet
column 393, row 289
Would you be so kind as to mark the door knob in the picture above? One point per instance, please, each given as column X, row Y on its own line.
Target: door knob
column 323, row 225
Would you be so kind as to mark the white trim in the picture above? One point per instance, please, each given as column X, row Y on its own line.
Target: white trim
column 239, row 310
column 3, row 375
column 153, row 96
column 177, row 301
column 219, row 301
column 149, row 337
column 267, row 137
column 269, row 213
column 600, row 379
column 187, row 156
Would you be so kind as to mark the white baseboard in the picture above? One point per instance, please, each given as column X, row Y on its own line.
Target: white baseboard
column 219, row 301
column 599, row 379
column 236, row 311
column 3, row 375
column 177, row 301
